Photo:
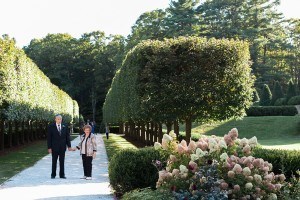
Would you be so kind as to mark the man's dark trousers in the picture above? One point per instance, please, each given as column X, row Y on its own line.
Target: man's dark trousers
column 58, row 142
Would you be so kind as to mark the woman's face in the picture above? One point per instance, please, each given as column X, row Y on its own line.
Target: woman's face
column 87, row 131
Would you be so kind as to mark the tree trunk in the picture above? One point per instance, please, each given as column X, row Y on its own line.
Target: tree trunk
column 126, row 128
column 155, row 132
column 169, row 127
column 147, row 134
column 160, row 133
column 2, row 135
column 151, row 133
column 10, row 134
column 143, row 135
column 27, row 131
column 121, row 128
column 16, row 138
column 188, row 129
column 176, row 128
column 23, row 133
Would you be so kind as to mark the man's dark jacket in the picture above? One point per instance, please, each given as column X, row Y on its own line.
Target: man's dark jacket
column 58, row 142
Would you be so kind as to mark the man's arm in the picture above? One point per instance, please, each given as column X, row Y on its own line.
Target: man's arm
column 49, row 140
column 68, row 138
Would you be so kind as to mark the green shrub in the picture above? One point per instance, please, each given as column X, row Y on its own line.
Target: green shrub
column 283, row 161
column 132, row 168
column 277, row 93
column 294, row 100
column 280, row 102
column 147, row 194
column 291, row 92
column 266, row 96
column 272, row 111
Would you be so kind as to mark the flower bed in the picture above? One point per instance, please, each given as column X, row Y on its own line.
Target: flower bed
column 219, row 168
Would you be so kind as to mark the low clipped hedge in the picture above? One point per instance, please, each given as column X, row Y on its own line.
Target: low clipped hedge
column 294, row 100
column 272, row 111
column 130, row 169
column 283, row 161
column 148, row 194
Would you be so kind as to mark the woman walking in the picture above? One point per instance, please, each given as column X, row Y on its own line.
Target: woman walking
column 88, row 149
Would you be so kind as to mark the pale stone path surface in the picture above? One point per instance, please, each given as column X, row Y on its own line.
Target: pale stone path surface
column 35, row 182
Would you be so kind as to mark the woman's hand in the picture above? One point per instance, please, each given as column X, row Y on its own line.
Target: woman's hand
column 94, row 155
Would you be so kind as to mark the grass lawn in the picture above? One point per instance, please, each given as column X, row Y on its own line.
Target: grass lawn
column 272, row 132
column 16, row 160
column 116, row 143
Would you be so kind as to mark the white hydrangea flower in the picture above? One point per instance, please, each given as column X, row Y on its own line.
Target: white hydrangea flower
column 253, row 141
column 222, row 144
column 194, row 157
column 249, row 186
column 223, row 156
column 167, row 138
column 243, row 142
column 201, row 153
column 157, row 145
column 247, row 171
column 272, row 196
column 257, row 178
column 183, row 169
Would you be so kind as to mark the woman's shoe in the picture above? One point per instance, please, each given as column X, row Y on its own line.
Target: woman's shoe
column 88, row 178
column 84, row 177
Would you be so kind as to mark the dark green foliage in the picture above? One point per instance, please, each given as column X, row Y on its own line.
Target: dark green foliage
column 272, row 111
column 132, row 168
column 291, row 91
column 280, row 102
column 283, row 161
column 277, row 93
column 266, row 96
column 179, row 79
column 295, row 100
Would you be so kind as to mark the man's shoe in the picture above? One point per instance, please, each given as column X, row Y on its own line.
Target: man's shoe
column 52, row 177
column 84, row 177
column 88, row 178
column 63, row 177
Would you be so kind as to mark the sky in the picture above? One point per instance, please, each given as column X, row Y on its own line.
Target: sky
column 28, row 19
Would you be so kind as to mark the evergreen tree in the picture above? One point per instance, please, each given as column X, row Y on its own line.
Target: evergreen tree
column 255, row 96
column 266, row 96
column 291, row 91
column 182, row 18
column 277, row 92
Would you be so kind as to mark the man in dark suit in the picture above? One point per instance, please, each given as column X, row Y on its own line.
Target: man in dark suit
column 58, row 140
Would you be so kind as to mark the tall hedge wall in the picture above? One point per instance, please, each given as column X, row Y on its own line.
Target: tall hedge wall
column 178, row 79
column 26, row 93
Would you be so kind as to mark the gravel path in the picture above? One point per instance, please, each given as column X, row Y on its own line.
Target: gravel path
column 35, row 182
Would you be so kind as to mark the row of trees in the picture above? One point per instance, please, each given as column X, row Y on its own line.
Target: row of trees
column 28, row 99
column 82, row 67
column 180, row 80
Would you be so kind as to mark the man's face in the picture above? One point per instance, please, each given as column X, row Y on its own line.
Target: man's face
column 58, row 119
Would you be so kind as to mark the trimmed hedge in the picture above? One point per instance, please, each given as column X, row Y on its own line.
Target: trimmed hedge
column 294, row 100
column 283, row 161
column 26, row 93
column 272, row 111
column 132, row 168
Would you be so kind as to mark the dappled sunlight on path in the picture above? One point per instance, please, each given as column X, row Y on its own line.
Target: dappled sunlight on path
column 35, row 182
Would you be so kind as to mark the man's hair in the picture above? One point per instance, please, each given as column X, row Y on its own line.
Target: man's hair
column 58, row 115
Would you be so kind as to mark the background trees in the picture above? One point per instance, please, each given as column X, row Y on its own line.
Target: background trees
column 94, row 58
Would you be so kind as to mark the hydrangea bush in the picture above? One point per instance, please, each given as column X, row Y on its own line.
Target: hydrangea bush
column 216, row 168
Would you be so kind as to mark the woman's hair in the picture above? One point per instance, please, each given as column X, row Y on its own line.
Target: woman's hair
column 87, row 126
